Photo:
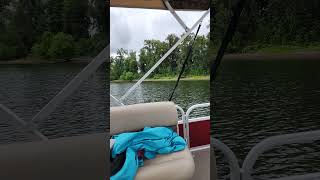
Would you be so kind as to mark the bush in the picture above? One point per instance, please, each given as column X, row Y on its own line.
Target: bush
column 62, row 46
column 40, row 49
column 128, row 76
column 55, row 46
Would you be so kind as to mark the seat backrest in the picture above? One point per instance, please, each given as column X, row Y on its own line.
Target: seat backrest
column 136, row 117
column 80, row 157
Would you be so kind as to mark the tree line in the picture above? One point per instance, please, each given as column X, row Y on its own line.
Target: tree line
column 268, row 23
column 52, row 29
column 129, row 65
column 277, row 24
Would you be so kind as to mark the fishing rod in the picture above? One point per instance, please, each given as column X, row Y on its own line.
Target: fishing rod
column 237, row 9
column 185, row 63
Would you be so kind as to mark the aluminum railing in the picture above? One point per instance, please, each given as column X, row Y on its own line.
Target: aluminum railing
column 185, row 117
column 188, row 112
column 245, row 173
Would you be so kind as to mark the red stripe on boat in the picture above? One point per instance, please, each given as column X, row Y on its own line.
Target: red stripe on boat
column 199, row 133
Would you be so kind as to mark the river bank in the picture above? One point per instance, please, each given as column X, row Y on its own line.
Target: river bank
column 268, row 54
column 264, row 56
column 173, row 78
column 34, row 61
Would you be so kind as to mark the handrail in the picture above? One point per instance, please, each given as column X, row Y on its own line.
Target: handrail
column 270, row 143
column 247, row 167
column 230, row 156
column 190, row 109
column 183, row 118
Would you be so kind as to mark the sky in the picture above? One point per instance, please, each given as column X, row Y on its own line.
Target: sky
column 130, row 26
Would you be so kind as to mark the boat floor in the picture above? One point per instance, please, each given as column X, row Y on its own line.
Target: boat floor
column 202, row 162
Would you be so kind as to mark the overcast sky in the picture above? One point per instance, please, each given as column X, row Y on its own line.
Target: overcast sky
column 130, row 27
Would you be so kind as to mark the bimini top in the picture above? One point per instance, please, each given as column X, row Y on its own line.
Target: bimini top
column 192, row 5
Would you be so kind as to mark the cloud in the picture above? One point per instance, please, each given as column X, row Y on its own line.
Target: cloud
column 130, row 27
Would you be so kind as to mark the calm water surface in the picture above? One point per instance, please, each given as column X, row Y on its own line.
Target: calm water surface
column 258, row 99
column 187, row 94
column 253, row 100
column 25, row 89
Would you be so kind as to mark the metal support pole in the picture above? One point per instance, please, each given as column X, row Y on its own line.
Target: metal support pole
column 116, row 100
column 6, row 113
column 163, row 57
column 175, row 15
column 73, row 84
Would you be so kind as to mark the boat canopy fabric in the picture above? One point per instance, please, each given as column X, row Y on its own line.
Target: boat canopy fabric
column 158, row 140
column 158, row 4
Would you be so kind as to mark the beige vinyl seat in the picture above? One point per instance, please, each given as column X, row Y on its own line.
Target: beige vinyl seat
column 79, row 157
column 174, row 166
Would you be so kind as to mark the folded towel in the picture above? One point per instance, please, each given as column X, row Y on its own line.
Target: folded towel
column 112, row 143
column 158, row 140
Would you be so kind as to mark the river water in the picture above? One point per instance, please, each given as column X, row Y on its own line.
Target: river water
column 258, row 99
column 253, row 100
column 187, row 94
column 25, row 89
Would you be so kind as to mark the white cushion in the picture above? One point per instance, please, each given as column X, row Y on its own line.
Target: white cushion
column 136, row 117
column 174, row 166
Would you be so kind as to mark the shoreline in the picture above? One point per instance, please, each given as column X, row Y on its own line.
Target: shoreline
column 31, row 61
column 261, row 56
column 307, row 55
column 164, row 79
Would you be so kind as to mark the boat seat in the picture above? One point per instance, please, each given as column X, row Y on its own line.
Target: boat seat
column 136, row 117
column 80, row 157
column 173, row 166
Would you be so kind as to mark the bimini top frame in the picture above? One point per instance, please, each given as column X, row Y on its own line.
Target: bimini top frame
column 189, row 5
column 186, row 34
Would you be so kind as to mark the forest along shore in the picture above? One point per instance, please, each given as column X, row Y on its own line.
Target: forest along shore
column 259, row 56
column 31, row 61
column 43, row 32
column 275, row 56
column 299, row 55
column 191, row 78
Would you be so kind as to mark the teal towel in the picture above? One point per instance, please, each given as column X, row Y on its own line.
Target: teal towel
column 158, row 140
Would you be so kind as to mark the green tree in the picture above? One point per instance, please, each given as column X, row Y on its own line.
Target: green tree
column 61, row 47
column 55, row 15
column 76, row 21
column 40, row 49
column 130, row 63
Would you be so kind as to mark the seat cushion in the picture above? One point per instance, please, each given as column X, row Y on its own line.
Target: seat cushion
column 136, row 117
column 174, row 166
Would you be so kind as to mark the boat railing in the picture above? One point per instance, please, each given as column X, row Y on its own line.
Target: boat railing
column 184, row 123
column 246, row 171
column 185, row 118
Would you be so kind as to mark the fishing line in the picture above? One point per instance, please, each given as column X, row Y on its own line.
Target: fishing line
column 185, row 63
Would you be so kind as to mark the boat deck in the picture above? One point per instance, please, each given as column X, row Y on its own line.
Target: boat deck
column 201, row 158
